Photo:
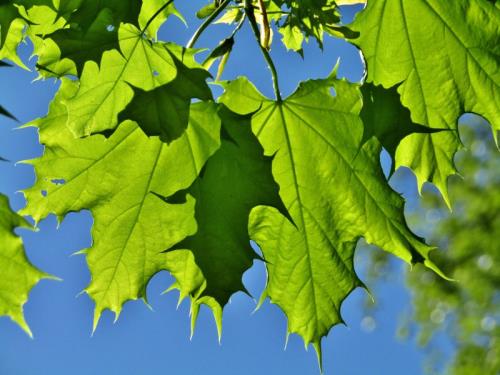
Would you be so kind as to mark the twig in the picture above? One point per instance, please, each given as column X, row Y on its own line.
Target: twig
column 249, row 11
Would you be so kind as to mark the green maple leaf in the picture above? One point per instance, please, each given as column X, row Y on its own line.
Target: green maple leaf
column 115, row 178
column 235, row 179
column 19, row 276
column 431, row 158
column 80, row 15
column 89, row 29
column 386, row 119
column 29, row 17
column 164, row 111
column 334, row 189
column 105, row 90
column 446, row 58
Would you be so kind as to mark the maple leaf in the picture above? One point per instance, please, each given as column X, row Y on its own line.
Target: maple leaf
column 445, row 57
column 20, row 18
column 334, row 189
column 19, row 276
column 235, row 179
column 115, row 178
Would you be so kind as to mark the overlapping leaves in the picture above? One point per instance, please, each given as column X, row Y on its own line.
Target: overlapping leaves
column 122, row 69
column 105, row 89
column 335, row 191
column 234, row 181
column 177, row 182
column 68, row 35
column 299, row 21
column 445, row 57
column 119, row 179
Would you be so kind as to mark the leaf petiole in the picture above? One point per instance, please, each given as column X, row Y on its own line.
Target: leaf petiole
column 249, row 11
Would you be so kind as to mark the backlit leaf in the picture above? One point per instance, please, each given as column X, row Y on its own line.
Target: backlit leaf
column 105, row 90
column 19, row 276
column 334, row 189
column 445, row 57
column 118, row 180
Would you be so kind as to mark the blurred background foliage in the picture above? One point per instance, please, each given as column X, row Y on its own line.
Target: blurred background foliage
column 456, row 323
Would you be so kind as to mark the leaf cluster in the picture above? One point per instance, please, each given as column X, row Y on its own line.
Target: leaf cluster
column 181, row 181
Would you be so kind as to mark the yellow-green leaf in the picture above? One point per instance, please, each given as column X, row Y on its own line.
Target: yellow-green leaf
column 445, row 57
column 19, row 276
column 333, row 187
column 119, row 180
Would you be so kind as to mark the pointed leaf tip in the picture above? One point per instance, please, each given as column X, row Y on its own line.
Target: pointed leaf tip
column 319, row 355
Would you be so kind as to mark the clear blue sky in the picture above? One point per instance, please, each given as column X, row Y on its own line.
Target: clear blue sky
column 146, row 342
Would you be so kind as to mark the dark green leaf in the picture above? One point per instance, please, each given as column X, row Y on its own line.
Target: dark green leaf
column 234, row 181
column 386, row 119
